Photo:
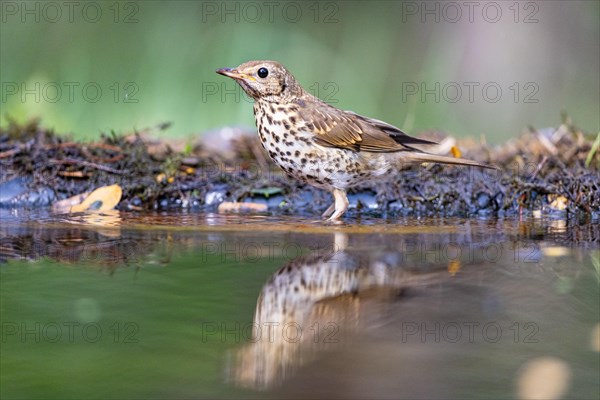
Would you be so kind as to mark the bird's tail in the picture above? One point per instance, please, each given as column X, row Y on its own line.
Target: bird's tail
column 433, row 158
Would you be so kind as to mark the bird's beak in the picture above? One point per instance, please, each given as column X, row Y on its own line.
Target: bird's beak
column 232, row 73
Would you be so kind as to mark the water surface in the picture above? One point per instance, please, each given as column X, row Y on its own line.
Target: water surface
column 123, row 305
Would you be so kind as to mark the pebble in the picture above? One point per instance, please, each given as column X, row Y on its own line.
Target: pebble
column 368, row 200
column 483, row 200
column 16, row 193
column 246, row 207
column 214, row 197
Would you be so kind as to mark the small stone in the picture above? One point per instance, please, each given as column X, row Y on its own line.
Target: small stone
column 214, row 197
column 483, row 200
column 234, row 207
column 16, row 193
column 191, row 161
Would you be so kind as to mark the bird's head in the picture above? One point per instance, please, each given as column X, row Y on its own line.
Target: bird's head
column 264, row 80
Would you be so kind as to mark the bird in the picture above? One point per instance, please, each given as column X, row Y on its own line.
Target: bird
column 319, row 144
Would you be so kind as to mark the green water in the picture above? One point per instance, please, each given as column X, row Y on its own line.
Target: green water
column 164, row 306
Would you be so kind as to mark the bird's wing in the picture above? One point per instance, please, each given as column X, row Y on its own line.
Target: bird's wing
column 375, row 127
column 348, row 130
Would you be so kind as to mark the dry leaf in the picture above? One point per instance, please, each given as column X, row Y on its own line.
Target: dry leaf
column 64, row 206
column 102, row 199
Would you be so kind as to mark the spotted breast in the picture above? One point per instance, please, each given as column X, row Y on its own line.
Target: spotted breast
column 291, row 144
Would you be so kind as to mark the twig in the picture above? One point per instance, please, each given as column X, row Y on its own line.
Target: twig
column 574, row 200
column 72, row 161
column 539, row 168
column 73, row 174
column 75, row 144
column 10, row 153
column 92, row 157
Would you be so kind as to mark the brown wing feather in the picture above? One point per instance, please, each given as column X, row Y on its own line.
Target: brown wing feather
column 395, row 133
column 347, row 130
column 337, row 130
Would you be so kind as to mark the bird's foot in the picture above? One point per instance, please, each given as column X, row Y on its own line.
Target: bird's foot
column 339, row 207
column 329, row 211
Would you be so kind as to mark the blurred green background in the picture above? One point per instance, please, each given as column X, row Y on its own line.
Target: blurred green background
column 466, row 68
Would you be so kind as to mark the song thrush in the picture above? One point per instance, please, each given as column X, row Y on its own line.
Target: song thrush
column 320, row 144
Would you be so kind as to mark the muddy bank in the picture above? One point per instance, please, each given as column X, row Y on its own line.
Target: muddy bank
column 551, row 171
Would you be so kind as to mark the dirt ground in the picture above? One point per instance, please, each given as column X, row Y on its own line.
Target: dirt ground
column 551, row 171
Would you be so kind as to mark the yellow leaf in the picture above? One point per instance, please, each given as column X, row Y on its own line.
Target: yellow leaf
column 102, row 199
column 455, row 152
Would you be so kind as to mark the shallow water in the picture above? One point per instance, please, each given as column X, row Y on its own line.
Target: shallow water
column 124, row 305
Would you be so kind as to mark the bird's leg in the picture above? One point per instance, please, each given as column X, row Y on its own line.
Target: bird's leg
column 329, row 210
column 341, row 204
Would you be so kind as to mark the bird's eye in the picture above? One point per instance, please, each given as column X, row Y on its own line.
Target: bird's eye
column 263, row 72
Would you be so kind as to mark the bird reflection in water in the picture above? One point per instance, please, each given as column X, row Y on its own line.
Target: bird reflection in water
column 314, row 304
